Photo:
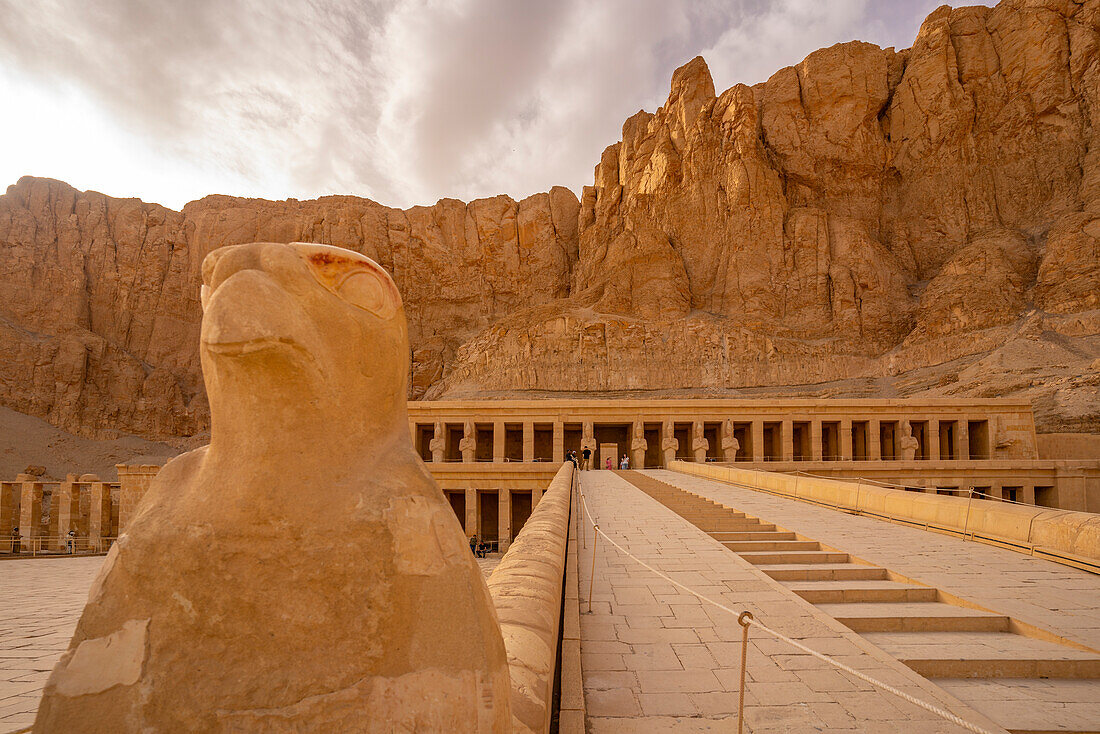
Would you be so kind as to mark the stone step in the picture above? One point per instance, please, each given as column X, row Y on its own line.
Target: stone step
column 824, row 572
column 921, row 617
column 738, row 546
column 693, row 517
column 751, row 535
column 1032, row 705
column 841, row 592
column 802, row 557
column 731, row 527
column 986, row 655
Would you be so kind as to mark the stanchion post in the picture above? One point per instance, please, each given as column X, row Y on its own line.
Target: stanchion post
column 592, row 573
column 744, row 621
column 966, row 523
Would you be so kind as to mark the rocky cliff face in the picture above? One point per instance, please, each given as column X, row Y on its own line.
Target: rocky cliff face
column 868, row 222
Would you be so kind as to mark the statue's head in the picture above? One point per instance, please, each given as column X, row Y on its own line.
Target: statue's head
column 311, row 329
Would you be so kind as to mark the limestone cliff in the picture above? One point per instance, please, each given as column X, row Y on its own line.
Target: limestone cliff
column 867, row 222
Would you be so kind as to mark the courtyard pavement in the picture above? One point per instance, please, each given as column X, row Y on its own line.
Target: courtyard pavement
column 40, row 603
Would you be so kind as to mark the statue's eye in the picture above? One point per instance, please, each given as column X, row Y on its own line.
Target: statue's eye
column 363, row 290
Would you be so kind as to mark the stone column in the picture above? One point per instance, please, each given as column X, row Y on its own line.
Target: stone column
column 99, row 515
column 468, row 444
column 669, row 444
column 637, row 455
column 757, row 441
column 10, row 496
column 133, row 482
column 438, row 444
column 963, row 452
column 845, row 439
column 698, row 447
column 68, row 510
column 498, row 441
column 1027, row 494
column 933, row 439
column 815, row 440
column 787, row 440
column 559, row 442
column 528, row 442
column 504, row 519
column 30, row 509
column 874, row 440
column 472, row 512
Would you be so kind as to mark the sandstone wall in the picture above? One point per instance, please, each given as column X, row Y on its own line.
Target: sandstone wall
column 868, row 222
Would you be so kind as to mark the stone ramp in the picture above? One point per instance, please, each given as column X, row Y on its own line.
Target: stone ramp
column 657, row 658
column 938, row 636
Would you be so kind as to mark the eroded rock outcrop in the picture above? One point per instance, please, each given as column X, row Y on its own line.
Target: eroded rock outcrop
column 866, row 222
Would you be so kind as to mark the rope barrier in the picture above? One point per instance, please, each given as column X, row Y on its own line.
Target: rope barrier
column 745, row 619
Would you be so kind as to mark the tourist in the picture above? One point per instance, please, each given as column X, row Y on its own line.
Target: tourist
column 625, row 463
column 607, row 463
column 587, row 456
column 473, row 544
column 70, row 542
column 16, row 545
column 572, row 456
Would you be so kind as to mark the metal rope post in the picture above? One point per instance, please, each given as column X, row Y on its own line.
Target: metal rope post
column 592, row 574
column 966, row 523
column 741, row 620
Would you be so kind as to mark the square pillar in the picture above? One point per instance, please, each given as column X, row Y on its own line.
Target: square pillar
column 99, row 515
column 10, row 497
column 68, row 510
column 669, row 444
column 964, row 439
column 559, row 442
column 758, row 441
column 528, row 442
column 815, row 440
column 536, row 497
column 30, row 510
column 498, row 442
column 472, row 512
column 504, row 519
column 933, row 439
column 787, row 440
column 846, row 439
column 1027, row 494
column 874, row 440
column 134, row 480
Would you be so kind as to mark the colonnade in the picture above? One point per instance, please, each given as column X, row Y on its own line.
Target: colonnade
column 655, row 440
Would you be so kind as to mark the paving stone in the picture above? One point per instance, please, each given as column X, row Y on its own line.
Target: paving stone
column 703, row 643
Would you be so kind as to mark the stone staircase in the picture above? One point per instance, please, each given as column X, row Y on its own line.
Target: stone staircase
column 1027, row 680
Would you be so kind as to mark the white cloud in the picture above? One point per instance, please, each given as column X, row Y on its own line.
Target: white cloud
column 405, row 101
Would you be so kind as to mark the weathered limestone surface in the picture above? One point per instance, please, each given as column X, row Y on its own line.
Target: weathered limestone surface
column 303, row 572
column 869, row 222
column 526, row 589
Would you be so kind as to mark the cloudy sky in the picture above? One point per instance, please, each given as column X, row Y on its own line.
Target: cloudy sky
column 402, row 101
